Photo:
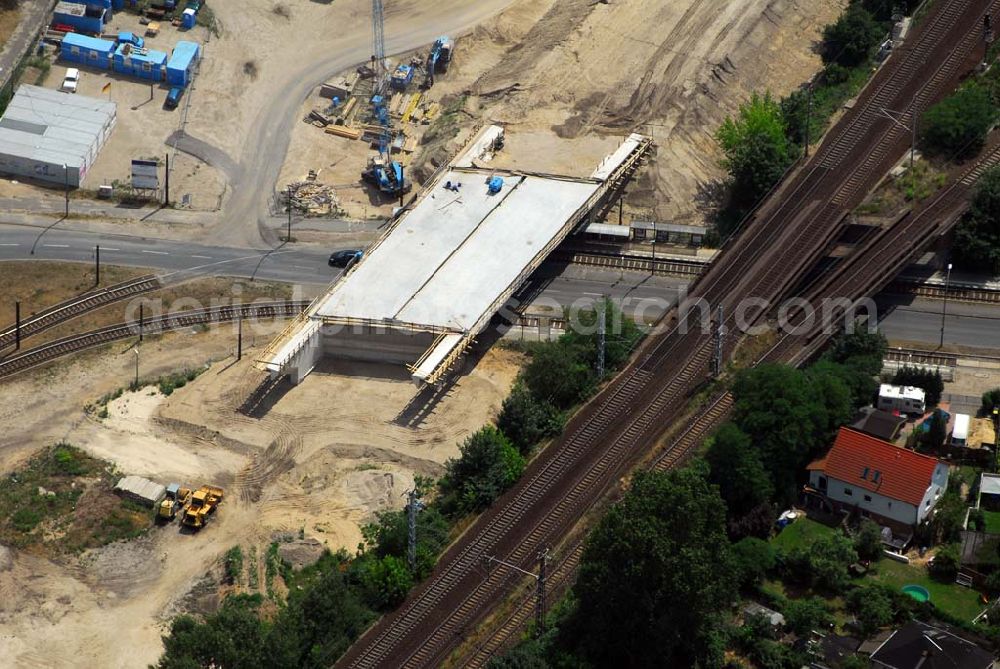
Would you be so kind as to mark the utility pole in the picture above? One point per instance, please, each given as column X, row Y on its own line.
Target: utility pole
column 411, row 529
column 601, row 337
column 944, row 305
column 809, row 106
column 540, row 577
column 718, row 335
column 141, row 319
column 621, row 201
column 135, row 385
column 66, row 187
column 239, row 337
column 289, row 236
column 17, row 325
column 166, row 182
column 402, row 180
column 543, row 556
column 97, row 265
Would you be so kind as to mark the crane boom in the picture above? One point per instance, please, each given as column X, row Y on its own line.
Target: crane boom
column 378, row 47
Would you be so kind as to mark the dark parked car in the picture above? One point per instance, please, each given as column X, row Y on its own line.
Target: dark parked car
column 344, row 258
column 173, row 97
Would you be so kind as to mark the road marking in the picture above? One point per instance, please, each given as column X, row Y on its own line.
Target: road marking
column 202, row 257
column 159, row 253
column 108, row 248
column 57, row 246
column 9, row 244
column 301, row 267
column 594, row 294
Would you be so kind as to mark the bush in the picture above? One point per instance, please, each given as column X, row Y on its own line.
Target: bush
column 386, row 581
column 852, row 39
column 233, row 562
column 805, row 615
column 945, row 564
column 868, row 540
column 26, row 519
column 930, row 381
column 956, row 127
column 68, row 460
column 823, row 563
column 526, row 420
column 559, row 374
column 991, row 400
column 488, row 465
column 873, row 606
column 754, row 558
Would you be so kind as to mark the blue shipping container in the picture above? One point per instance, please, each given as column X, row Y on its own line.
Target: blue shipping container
column 180, row 67
column 146, row 64
column 85, row 50
column 81, row 18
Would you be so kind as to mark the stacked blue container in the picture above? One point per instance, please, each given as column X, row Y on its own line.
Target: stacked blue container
column 180, row 67
column 142, row 63
column 85, row 18
column 87, row 50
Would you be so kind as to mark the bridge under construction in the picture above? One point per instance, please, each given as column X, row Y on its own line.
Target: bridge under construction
column 448, row 263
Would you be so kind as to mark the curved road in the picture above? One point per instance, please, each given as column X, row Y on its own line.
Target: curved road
column 270, row 135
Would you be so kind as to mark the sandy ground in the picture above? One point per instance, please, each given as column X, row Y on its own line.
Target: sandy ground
column 570, row 79
column 329, row 453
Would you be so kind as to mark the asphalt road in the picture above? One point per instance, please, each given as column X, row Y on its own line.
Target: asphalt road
column 175, row 260
column 919, row 320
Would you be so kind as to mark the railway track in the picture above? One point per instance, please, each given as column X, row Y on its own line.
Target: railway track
column 59, row 348
column 77, row 306
column 610, row 435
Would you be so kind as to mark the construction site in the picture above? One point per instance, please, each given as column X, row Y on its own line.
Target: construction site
column 456, row 146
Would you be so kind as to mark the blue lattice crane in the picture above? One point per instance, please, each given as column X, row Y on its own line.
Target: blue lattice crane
column 382, row 172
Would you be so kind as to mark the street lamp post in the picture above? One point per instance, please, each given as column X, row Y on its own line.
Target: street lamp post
column 135, row 386
column 944, row 305
column 66, row 187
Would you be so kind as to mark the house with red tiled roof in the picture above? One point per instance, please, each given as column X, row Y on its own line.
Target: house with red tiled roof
column 879, row 479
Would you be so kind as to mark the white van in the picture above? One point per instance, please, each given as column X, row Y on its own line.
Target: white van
column 960, row 433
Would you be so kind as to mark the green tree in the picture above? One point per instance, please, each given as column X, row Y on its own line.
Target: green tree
column 868, row 540
column 945, row 564
column 753, row 558
column 852, row 39
column 795, row 116
column 527, row 420
column 735, row 467
column 956, row 127
column 861, row 386
column 655, row 575
column 784, row 414
column 386, row 580
column 991, row 400
column 977, row 237
column 620, row 335
column 756, row 148
column 559, row 374
column 873, row 607
column 389, row 535
column 488, row 465
column 883, row 10
column 859, row 347
column 805, row 615
column 930, row 381
column 823, row 563
column 233, row 636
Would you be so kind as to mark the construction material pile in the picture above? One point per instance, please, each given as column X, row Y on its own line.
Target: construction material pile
column 312, row 198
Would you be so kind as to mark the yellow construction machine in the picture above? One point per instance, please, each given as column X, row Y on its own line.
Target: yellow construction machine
column 177, row 497
column 202, row 503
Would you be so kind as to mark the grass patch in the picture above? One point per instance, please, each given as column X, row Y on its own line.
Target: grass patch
column 63, row 500
column 829, row 98
column 951, row 598
column 992, row 521
column 801, row 533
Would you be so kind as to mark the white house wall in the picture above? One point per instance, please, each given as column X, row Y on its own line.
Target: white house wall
column 939, row 483
column 881, row 505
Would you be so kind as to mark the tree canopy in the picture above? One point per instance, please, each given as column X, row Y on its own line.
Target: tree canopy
column 655, row 574
column 977, row 238
column 757, row 150
column 956, row 127
column 527, row 420
column 737, row 469
column 488, row 465
column 852, row 39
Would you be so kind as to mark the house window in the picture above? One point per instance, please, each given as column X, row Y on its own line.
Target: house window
column 890, row 505
column 848, row 491
column 822, row 483
column 868, row 498
column 927, row 503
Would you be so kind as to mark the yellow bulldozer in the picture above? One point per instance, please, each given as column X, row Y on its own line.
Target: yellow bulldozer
column 177, row 497
column 202, row 503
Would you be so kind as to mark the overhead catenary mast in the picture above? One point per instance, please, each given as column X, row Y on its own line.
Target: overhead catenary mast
column 378, row 48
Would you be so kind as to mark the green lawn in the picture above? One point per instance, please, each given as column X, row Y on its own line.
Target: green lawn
column 949, row 597
column 992, row 522
column 801, row 533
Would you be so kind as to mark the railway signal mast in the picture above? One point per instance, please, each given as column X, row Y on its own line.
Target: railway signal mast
column 543, row 558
